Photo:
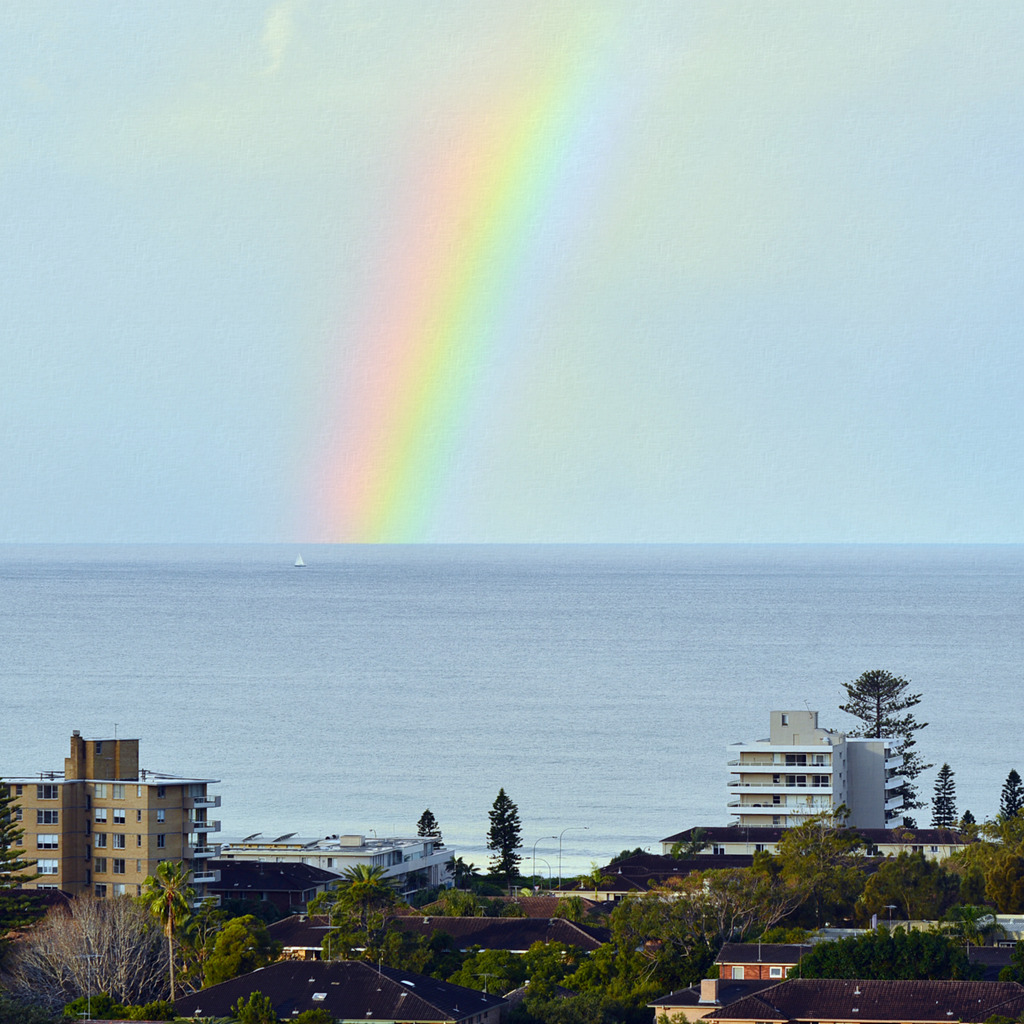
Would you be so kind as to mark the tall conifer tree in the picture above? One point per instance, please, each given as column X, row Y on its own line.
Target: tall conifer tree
column 17, row 908
column 1011, row 801
column 427, row 826
column 879, row 699
column 504, row 836
column 944, row 800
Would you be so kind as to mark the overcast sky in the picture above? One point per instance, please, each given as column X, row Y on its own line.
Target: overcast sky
column 714, row 271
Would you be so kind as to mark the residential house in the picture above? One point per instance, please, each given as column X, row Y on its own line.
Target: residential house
column 803, row 1000
column 289, row 887
column 697, row 1001
column 350, row 991
column 761, row 961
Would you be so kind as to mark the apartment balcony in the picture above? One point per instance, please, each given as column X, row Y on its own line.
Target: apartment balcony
column 205, row 877
column 210, row 825
column 200, row 900
column 199, row 803
column 894, row 804
column 893, row 763
column 198, row 852
column 895, row 782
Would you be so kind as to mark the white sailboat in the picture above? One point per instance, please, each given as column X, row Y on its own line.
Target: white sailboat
column 299, row 563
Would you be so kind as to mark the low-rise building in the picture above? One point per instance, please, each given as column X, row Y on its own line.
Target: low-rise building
column 103, row 824
column 348, row 990
column 759, row 961
column 882, row 1002
column 412, row 863
column 743, row 840
column 288, row 887
column 697, row 1001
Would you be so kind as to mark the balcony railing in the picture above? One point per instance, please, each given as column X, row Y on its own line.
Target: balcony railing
column 205, row 877
column 201, row 802
column 208, row 850
column 197, row 903
column 210, row 825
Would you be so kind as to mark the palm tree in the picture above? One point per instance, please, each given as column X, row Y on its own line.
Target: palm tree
column 169, row 897
column 463, row 872
column 362, row 893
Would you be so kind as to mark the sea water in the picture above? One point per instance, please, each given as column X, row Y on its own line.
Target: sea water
column 598, row 685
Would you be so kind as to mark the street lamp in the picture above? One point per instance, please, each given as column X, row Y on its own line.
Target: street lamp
column 560, row 834
column 548, row 866
column 890, row 907
column 542, row 838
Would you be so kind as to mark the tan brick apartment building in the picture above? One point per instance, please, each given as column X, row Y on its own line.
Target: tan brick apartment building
column 103, row 824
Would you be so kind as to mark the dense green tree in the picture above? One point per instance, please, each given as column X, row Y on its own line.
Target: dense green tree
column 13, row 1011
column 1015, row 971
column 491, row 970
column 970, row 925
column 317, row 1016
column 427, row 826
column 885, row 956
column 168, row 895
column 258, row 1009
column 921, row 889
column 241, row 946
column 357, row 907
column 1004, row 884
column 17, row 906
column 944, row 799
column 879, row 699
column 1011, row 801
column 503, row 837
column 822, row 859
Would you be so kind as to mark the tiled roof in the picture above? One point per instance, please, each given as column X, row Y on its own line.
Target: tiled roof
column 762, row 953
column 773, row 833
column 512, row 933
column 728, row 991
column 516, row 934
column 543, row 906
column 347, row 989
column 813, row 999
column 254, row 876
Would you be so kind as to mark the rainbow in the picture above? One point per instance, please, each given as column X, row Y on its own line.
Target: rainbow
column 458, row 275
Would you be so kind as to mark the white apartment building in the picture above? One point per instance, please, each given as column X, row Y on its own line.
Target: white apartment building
column 803, row 770
column 416, row 863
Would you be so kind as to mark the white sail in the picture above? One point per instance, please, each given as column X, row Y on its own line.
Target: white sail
column 299, row 563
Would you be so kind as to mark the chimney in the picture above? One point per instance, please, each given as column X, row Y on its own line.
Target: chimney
column 709, row 990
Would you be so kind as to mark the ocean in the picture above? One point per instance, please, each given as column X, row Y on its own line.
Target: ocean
column 598, row 685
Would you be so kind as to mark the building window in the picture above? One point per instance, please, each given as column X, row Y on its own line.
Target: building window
column 138, row 814
column 161, row 841
column 120, row 889
column 100, row 890
column 101, row 790
column 99, row 746
column 100, row 839
column 101, row 815
column 118, row 841
column 138, row 791
column 138, row 867
column 46, row 867
column 161, row 815
column 161, row 792
column 100, row 867
column 47, row 792
column 774, row 972
column 47, row 841
column 785, row 719
column 138, row 840
column 18, row 790
column 117, row 791
column 118, row 815
column 776, row 819
column 737, row 972
column 17, row 814
column 776, row 799
column 118, row 866
column 47, row 817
